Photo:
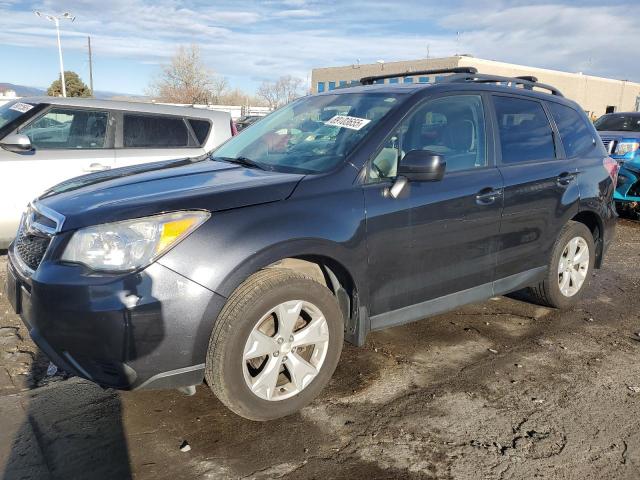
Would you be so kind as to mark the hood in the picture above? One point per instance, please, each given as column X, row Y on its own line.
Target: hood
column 618, row 135
column 153, row 188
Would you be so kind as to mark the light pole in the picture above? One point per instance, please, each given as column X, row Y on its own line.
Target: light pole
column 56, row 19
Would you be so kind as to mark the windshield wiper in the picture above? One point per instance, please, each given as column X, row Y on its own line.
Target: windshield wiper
column 244, row 161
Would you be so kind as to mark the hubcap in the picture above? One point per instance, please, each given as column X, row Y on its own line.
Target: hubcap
column 285, row 350
column 573, row 266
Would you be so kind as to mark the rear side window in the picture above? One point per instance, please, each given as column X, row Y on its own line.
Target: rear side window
column 525, row 132
column 200, row 129
column 67, row 128
column 154, row 132
column 577, row 138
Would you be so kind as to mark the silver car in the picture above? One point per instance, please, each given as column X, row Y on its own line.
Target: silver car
column 47, row 140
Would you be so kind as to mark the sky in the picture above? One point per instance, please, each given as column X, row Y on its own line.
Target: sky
column 251, row 41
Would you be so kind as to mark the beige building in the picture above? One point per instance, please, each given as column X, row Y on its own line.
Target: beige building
column 595, row 94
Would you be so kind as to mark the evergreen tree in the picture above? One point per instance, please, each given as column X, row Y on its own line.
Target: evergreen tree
column 75, row 86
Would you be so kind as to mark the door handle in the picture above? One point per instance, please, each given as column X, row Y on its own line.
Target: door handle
column 488, row 195
column 565, row 178
column 97, row 167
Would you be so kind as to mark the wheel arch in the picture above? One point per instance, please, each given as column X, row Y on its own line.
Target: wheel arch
column 324, row 262
column 594, row 223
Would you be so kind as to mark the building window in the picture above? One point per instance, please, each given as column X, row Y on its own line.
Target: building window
column 408, row 80
column 343, row 83
column 393, row 80
column 320, row 87
column 423, row 80
column 610, row 109
column 332, row 85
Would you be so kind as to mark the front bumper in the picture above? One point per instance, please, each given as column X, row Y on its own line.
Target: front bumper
column 628, row 186
column 148, row 329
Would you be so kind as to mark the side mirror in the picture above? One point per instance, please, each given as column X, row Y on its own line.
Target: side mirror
column 422, row 166
column 16, row 142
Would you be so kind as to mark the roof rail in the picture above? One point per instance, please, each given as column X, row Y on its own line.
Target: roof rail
column 372, row 79
column 527, row 82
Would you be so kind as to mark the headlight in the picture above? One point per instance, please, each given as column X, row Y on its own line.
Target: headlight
column 626, row 146
column 131, row 244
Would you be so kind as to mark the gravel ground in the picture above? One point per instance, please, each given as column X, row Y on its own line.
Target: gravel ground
column 502, row 389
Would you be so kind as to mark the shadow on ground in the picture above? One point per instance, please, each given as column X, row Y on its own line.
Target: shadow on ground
column 67, row 429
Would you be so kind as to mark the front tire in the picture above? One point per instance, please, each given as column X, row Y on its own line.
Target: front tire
column 275, row 345
column 570, row 267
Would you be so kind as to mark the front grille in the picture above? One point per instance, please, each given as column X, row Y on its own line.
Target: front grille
column 31, row 248
column 38, row 226
column 609, row 144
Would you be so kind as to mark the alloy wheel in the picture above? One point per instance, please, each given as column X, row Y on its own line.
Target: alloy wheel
column 573, row 266
column 285, row 350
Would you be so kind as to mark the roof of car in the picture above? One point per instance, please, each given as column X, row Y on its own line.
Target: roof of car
column 382, row 88
column 411, row 88
column 626, row 114
column 142, row 107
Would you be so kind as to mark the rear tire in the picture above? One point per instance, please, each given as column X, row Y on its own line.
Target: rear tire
column 569, row 270
column 260, row 362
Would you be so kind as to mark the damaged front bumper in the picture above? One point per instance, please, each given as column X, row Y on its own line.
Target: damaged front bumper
column 628, row 186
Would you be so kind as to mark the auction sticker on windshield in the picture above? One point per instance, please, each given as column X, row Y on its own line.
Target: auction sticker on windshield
column 21, row 107
column 352, row 123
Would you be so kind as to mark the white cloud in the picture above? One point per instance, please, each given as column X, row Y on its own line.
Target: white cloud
column 297, row 13
column 268, row 39
column 593, row 39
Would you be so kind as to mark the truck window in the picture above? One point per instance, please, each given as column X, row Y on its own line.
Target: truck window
column 150, row 131
column 67, row 128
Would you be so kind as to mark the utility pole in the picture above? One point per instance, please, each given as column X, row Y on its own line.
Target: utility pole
column 90, row 65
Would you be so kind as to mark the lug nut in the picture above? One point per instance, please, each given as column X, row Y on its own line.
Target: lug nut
column 284, row 359
column 280, row 340
column 291, row 338
column 275, row 354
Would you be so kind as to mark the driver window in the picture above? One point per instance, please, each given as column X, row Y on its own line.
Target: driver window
column 66, row 128
column 453, row 126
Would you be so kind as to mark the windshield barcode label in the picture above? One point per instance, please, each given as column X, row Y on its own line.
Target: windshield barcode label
column 21, row 107
column 352, row 123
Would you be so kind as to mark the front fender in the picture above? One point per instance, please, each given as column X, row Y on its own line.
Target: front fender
column 234, row 244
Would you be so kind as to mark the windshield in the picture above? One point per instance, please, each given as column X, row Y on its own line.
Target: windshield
column 12, row 110
column 618, row 123
column 311, row 135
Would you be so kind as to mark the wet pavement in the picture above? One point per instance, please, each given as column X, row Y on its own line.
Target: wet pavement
column 501, row 389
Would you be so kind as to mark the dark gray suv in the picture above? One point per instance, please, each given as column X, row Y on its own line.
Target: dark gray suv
column 341, row 213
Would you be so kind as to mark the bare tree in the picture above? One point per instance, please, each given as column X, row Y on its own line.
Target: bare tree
column 238, row 97
column 186, row 79
column 282, row 91
column 219, row 88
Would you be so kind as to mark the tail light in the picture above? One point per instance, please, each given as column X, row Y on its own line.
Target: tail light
column 612, row 168
column 234, row 130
